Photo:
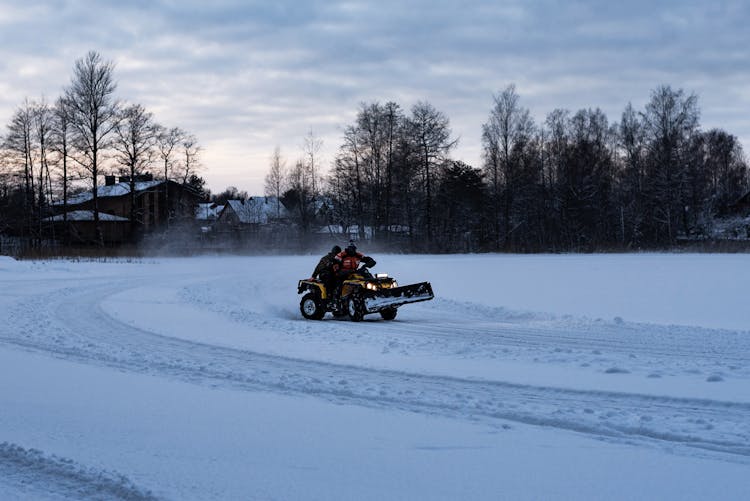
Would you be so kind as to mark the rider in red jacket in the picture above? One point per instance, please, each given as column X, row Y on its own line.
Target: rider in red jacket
column 349, row 260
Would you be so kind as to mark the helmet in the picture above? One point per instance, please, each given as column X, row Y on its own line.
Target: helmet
column 336, row 249
column 351, row 249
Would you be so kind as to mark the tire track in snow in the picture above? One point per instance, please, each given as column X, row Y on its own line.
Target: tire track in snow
column 70, row 324
column 468, row 330
column 40, row 474
column 641, row 346
column 496, row 326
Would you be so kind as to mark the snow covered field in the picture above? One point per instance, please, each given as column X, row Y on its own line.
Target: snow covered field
column 528, row 377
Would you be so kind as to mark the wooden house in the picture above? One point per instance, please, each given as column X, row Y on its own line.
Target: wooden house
column 158, row 204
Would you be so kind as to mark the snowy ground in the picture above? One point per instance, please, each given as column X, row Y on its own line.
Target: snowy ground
column 528, row 377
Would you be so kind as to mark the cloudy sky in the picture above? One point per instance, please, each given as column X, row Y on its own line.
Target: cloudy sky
column 246, row 76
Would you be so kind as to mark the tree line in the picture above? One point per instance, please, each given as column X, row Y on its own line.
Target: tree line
column 576, row 182
column 54, row 150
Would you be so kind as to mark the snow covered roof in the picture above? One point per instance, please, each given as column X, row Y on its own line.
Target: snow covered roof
column 337, row 229
column 257, row 210
column 86, row 215
column 208, row 211
column 731, row 228
column 113, row 190
column 351, row 231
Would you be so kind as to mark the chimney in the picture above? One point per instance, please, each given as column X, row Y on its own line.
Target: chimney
column 140, row 178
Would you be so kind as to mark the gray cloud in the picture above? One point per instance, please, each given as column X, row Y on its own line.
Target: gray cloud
column 246, row 76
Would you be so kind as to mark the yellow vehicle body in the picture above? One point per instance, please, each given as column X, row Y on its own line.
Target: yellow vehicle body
column 360, row 293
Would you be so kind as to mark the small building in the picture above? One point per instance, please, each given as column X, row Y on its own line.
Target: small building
column 207, row 213
column 345, row 233
column 252, row 214
column 158, row 204
column 352, row 231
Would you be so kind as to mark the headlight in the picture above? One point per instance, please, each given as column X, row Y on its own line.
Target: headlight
column 394, row 284
column 371, row 286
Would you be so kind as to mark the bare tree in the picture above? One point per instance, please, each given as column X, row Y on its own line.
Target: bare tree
column 670, row 121
column 341, row 188
column 6, row 174
column 28, row 146
column 370, row 128
column 167, row 143
column 430, row 130
column 393, row 118
column 631, row 189
column 299, row 196
column 135, row 137
column 231, row 193
column 364, row 170
column 190, row 158
column 310, row 149
column 508, row 129
column 347, row 181
column 19, row 152
column 184, row 171
column 275, row 178
column 94, row 116
column 583, row 185
column 42, row 115
column 61, row 144
column 726, row 168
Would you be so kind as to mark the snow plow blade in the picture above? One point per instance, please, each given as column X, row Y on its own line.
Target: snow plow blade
column 377, row 300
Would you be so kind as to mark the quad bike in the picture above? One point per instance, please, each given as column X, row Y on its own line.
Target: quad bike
column 360, row 293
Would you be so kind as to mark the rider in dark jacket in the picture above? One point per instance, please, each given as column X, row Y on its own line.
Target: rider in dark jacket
column 327, row 269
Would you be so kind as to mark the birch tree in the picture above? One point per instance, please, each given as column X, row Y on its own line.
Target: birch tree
column 94, row 113
column 504, row 135
column 274, row 186
column 61, row 144
column 670, row 120
column 134, row 142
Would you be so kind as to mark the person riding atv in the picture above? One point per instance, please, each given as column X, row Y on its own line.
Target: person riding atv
column 327, row 268
column 348, row 261
column 359, row 292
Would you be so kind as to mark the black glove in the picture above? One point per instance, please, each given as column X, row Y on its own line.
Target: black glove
column 369, row 262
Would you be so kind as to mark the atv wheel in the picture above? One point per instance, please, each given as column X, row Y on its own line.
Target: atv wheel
column 355, row 308
column 388, row 313
column 310, row 307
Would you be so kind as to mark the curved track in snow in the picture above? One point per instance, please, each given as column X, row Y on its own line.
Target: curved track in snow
column 35, row 475
column 70, row 323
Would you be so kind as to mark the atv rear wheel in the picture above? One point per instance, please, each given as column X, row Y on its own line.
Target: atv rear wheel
column 388, row 313
column 311, row 307
column 355, row 307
